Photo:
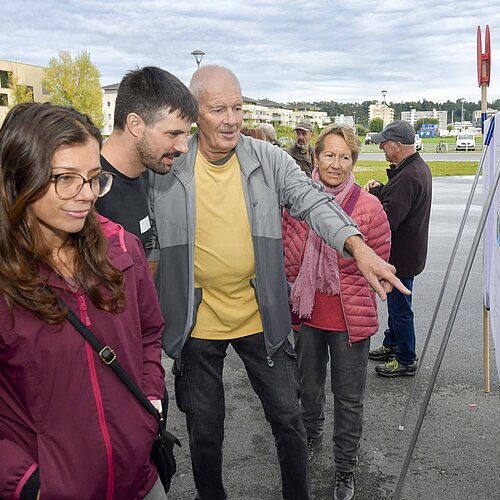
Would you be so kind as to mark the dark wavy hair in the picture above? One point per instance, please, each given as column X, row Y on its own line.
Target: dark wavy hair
column 30, row 136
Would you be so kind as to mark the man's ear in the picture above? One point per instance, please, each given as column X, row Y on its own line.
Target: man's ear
column 135, row 125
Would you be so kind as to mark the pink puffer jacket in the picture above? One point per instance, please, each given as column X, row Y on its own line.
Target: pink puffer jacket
column 358, row 300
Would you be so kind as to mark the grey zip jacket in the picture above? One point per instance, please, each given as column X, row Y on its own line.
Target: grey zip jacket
column 271, row 180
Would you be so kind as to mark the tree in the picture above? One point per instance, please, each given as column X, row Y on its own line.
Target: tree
column 376, row 125
column 421, row 121
column 20, row 93
column 75, row 82
column 361, row 130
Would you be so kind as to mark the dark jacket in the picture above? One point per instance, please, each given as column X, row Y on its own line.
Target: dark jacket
column 407, row 200
column 64, row 416
column 304, row 159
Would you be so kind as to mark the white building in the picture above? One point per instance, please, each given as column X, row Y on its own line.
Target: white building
column 476, row 118
column 381, row 111
column 254, row 112
column 266, row 111
column 413, row 115
column 108, row 106
column 344, row 120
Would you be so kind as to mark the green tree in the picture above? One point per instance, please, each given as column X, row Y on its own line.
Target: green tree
column 20, row 93
column 376, row 125
column 361, row 130
column 431, row 121
column 75, row 82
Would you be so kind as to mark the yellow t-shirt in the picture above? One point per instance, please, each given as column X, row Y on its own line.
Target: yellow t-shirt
column 223, row 254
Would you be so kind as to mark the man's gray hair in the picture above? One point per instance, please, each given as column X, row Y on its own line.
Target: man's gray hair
column 269, row 131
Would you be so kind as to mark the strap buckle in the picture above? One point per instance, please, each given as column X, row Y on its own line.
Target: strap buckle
column 107, row 355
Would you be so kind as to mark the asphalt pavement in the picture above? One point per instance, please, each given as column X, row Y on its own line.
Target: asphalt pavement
column 457, row 453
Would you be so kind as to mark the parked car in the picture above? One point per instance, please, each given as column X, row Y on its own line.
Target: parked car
column 418, row 142
column 465, row 141
column 368, row 138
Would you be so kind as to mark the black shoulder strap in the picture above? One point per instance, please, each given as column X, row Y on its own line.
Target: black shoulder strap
column 108, row 357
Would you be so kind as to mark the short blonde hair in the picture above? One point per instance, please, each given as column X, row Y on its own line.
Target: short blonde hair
column 346, row 132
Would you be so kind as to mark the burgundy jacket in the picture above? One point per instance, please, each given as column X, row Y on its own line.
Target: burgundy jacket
column 358, row 301
column 66, row 420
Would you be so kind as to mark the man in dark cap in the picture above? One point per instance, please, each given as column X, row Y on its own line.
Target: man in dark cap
column 301, row 151
column 407, row 201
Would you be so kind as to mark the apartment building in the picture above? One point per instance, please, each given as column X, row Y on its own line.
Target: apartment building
column 254, row 112
column 108, row 107
column 23, row 74
column 381, row 111
column 344, row 120
column 413, row 115
column 267, row 111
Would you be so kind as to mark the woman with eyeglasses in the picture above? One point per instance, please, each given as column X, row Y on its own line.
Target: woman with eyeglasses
column 334, row 309
column 69, row 428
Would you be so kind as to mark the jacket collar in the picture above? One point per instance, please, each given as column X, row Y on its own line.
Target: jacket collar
column 184, row 166
column 395, row 169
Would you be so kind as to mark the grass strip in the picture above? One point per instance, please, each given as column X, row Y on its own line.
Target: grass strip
column 364, row 170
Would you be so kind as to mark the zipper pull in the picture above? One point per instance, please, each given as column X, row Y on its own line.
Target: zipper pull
column 270, row 362
column 83, row 305
column 83, row 311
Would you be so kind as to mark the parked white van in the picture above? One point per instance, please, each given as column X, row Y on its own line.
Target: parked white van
column 465, row 141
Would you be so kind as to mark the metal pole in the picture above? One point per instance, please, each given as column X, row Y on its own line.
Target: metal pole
column 447, row 333
column 487, row 142
column 486, row 329
column 486, row 349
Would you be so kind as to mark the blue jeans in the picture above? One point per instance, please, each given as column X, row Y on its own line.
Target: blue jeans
column 348, row 378
column 200, row 396
column 401, row 331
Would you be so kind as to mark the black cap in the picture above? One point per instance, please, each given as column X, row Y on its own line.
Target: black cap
column 397, row 131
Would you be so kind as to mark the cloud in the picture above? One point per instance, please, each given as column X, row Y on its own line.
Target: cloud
column 288, row 51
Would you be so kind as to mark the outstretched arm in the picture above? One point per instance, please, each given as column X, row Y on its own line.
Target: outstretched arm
column 379, row 274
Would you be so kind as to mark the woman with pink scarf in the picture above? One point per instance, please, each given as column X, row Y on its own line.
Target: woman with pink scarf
column 336, row 310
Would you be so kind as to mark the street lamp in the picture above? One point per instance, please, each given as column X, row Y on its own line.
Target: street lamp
column 462, row 119
column 198, row 55
column 384, row 92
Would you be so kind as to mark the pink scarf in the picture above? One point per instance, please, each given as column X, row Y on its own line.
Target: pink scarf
column 319, row 269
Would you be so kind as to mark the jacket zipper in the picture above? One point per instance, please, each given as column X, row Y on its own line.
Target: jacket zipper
column 102, row 421
column 189, row 320
column 98, row 399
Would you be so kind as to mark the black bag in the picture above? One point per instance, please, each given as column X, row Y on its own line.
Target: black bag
column 163, row 447
column 163, row 456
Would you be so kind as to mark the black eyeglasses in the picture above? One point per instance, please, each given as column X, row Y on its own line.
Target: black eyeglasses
column 68, row 185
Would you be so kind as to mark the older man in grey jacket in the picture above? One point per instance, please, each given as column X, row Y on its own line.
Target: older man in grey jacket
column 221, row 277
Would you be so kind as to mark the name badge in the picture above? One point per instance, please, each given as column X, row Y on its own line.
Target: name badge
column 145, row 224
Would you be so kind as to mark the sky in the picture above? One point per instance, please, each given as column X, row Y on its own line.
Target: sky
column 286, row 51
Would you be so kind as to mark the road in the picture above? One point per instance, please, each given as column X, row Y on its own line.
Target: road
column 457, row 454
